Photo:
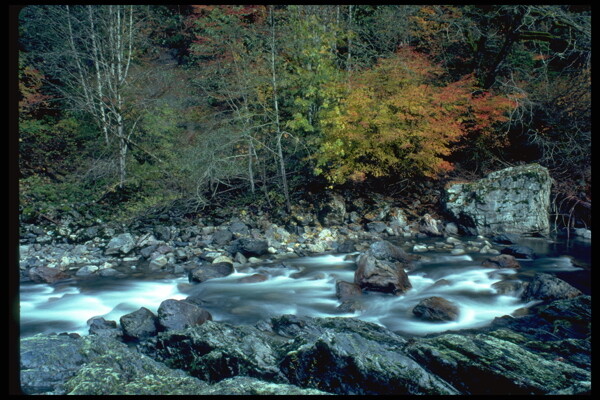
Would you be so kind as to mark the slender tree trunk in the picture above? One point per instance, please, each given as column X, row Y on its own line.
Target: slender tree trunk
column 277, row 123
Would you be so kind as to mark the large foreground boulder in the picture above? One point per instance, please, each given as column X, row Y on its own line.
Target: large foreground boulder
column 512, row 200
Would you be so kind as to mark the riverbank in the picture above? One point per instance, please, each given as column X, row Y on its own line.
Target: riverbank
column 300, row 354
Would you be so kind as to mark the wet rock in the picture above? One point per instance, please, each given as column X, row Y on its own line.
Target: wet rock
column 254, row 278
column 210, row 271
column 347, row 290
column 47, row 361
column 548, row 287
column 139, row 324
column 522, row 252
column 506, row 238
column 502, row 261
column 512, row 200
column 244, row 386
column 381, row 276
column 121, row 244
column 493, row 363
column 436, row 309
column 216, row 351
column 508, row 287
column 101, row 327
column 43, row 274
column 352, row 357
column 179, row 314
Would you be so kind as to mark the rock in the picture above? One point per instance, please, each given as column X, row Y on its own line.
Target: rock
column 254, row 278
column 376, row 226
column 249, row 247
column 509, row 287
column 502, row 261
column 451, row 229
column 238, row 228
column 420, row 248
column 243, row 386
column 548, row 287
column 43, row 274
column 333, row 210
column 347, row 290
column 347, row 246
column 430, row 226
column 457, row 252
column 381, row 276
column 101, row 327
column 179, row 314
column 506, row 238
column 436, row 309
column 86, row 270
column 47, row 362
column 162, row 232
column 121, row 244
column 352, row 357
column 139, row 324
column 109, row 367
column 493, row 364
column 584, row 233
column 222, row 237
column 210, row 271
column 384, row 250
column 512, row 200
column 216, row 351
column 158, row 262
column 522, row 252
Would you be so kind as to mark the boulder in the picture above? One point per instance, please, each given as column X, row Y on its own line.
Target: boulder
column 496, row 363
column 249, row 247
column 121, row 244
column 548, row 287
column 210, row 271
column 179, row 314
column 512, row 200
column 384, row 250
column 502, row 261
column 331, row 210
column 381, row 276
column 436, row 309
column 506, row 238
column 101, row 327
column 376, row 226
column 43, row 274
column 522, row 252
column 347, row 290
column 139, row 324
column 431, row 226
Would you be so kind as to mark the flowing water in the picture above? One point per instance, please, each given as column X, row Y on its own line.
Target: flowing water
column 306, row 286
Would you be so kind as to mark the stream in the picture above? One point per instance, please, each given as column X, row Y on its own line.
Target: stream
column 306, row 286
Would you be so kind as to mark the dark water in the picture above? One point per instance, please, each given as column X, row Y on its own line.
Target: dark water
column 306, row 286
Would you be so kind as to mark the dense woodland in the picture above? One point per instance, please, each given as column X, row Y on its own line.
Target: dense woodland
column 124, row 109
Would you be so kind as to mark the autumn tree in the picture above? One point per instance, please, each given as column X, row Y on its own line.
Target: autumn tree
column 400, row 119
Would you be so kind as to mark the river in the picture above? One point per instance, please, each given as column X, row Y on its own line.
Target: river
column 306, row 286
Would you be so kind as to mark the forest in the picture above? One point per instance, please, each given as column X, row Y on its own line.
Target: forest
column 128, row 108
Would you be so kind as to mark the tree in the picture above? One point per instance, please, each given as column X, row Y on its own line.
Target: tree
column 89, row 52
column 400, row 119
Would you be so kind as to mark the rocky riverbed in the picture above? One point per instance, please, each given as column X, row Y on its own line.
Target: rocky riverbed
column 543, row 348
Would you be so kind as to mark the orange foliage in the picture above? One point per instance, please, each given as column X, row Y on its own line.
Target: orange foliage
column 400, row 119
